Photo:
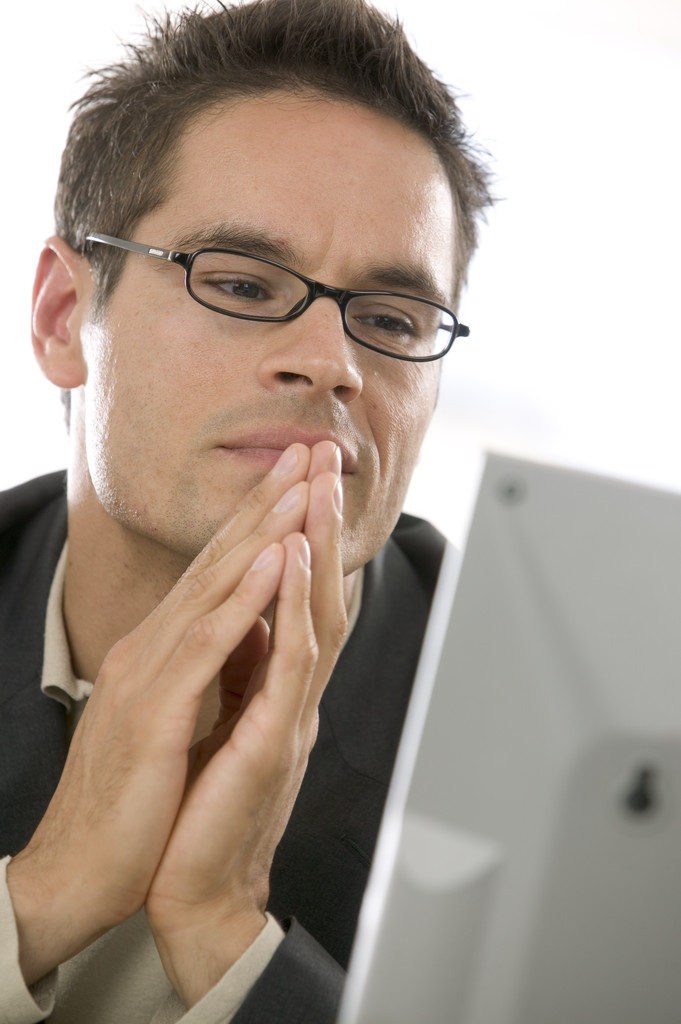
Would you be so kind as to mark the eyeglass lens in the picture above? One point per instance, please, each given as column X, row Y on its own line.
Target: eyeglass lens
column 247, row 287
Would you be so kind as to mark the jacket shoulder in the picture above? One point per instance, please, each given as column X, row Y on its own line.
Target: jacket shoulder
column 32, row 728
column 21, row 503
column 423, row 547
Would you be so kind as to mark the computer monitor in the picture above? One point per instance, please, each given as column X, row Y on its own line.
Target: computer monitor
column 528, row 867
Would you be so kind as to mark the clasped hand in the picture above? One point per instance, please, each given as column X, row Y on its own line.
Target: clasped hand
column 142, row 817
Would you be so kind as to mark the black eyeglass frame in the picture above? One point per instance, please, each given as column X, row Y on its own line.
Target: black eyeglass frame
column 315, row 290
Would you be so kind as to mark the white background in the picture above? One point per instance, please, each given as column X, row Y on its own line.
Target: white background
column 573, row 300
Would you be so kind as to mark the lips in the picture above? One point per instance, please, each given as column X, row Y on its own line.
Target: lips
column 267, row 445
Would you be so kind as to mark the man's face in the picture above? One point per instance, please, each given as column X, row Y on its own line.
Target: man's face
column 182, row 413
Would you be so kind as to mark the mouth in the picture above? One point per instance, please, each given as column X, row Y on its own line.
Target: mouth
column 263, row 449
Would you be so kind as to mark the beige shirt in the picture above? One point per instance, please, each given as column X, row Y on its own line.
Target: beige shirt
column 119, row 978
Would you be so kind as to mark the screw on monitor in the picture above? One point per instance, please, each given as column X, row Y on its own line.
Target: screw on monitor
column 642, row 796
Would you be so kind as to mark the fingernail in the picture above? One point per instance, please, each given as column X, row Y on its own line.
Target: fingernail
column 264, row 559
column 304, row 554
column 289, row 500
column 338, row 498
column 287, row 462
column 337, row 462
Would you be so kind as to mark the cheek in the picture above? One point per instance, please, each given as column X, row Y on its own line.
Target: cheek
column 161, row 369
column 398, row 403
column 401, row 420
column 101, row 377
column 134, row 394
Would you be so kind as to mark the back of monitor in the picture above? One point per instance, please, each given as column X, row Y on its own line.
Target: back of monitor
column 528, row 869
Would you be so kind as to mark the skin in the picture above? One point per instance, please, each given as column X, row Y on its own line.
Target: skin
column 176, row 460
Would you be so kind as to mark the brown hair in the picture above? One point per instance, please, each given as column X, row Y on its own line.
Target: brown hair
column 117, row 164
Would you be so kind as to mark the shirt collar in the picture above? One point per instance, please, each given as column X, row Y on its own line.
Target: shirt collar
column 59, row 680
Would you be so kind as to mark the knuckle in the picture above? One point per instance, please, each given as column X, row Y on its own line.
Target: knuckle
column 201, row 635
column 208, row 554
column 211, row 554
column 241, row 603
column 117, row 660
column 260, row 499
column 200, row 585
column 292, row 761
column 257, row 501
column 338, row 632
column 307, row 653
column 262, row 533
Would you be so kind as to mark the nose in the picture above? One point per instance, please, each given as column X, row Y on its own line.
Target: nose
column 312, row 354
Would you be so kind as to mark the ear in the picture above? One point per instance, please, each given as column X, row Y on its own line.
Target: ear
column 61, row 290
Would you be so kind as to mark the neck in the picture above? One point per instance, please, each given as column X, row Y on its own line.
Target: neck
column 114, row 579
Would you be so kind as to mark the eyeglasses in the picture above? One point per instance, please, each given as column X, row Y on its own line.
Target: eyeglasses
column 254, row 288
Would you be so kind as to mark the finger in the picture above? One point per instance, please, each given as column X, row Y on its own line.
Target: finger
column 291, row 468
column 325, row 457
column 323, row 526
column 293, row 647
column 265, row 502
column 285, row 516
column 278, row 692
column 239, row 668
column 204, row 588
column 208, row 641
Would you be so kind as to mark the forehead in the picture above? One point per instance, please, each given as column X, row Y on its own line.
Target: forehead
column 339, row 185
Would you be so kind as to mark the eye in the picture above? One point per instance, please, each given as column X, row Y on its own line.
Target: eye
column 389, row 323
column 401, row 324
column 240, row 288
column 382, row 319
column 244, row 285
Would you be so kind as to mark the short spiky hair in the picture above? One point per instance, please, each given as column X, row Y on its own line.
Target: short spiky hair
column 117, row 162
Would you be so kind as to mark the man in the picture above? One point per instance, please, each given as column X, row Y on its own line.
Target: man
column 241, row 442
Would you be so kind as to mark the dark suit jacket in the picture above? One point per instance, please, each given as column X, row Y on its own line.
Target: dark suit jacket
column 321, row 866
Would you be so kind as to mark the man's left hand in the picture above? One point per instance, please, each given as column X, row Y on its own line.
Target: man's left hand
column 207, row 900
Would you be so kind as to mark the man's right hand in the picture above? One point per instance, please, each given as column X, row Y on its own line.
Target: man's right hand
column 92, row 859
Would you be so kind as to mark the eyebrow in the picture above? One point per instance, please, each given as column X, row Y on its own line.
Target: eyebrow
column 406, row 277
column 403, row 276
column 236, row 236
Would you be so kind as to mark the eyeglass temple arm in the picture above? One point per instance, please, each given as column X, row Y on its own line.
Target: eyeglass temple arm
column 146, row 250
column 173, row 256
